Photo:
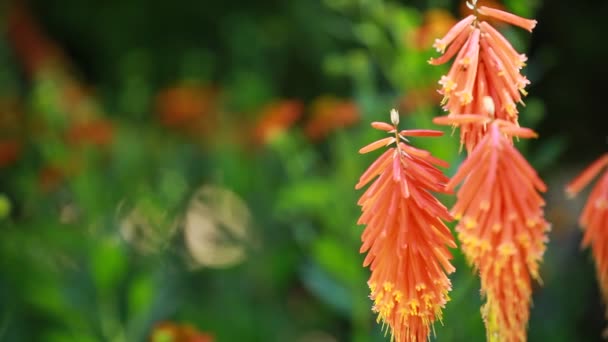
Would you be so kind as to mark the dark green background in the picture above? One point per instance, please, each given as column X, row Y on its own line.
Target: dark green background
column 302, row 276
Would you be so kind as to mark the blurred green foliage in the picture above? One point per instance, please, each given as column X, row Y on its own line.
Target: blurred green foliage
column 116, row 116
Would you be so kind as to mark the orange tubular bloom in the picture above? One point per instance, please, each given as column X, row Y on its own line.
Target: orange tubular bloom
column 485, row 64
column 405, row 238
column 502, row 227
column 594, row 218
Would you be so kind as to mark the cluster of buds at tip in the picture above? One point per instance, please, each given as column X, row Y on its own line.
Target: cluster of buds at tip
column 485, row 65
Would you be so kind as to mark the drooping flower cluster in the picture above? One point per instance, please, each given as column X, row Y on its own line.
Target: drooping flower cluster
column 502, row 227
column 405, row 238
column 594, row 219
column 485, row 65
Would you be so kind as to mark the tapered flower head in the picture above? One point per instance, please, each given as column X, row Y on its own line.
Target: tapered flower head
column 594, row 218
column 485, row 65
column 405, row 239
column 502, row 227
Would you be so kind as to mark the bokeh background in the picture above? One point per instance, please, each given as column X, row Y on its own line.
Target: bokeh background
column 184, row 170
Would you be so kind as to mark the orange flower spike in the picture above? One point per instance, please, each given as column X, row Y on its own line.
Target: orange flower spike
column 594, row 218
column 405, row 237
column 502, row 227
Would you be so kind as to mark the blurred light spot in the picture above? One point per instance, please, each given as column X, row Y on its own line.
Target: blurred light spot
column 216, row 227
column 147, row 231
column 68, row 214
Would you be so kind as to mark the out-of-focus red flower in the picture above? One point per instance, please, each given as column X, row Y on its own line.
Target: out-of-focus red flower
column 328, row 114
column 34, row 49
column 53, row 175
column 173, row 332
column 594, row 218
column 436, row 23
column 405, row 237
column 417, row 98
column 274, row 119
column 97, row 132
column 184, row 105
column 49, row 178
column 9, row 152
column 485, row 66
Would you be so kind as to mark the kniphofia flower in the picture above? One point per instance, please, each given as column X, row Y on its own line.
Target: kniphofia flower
column 485, row 65
column 405, row 239
column 594, row 218
column 502, row 228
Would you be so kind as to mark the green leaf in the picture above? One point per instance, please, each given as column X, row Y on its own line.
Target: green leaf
column 339, row 259
column 5, row 206
column 141, row 294
column 312, row 196
column 326, row 288
column 108, row 265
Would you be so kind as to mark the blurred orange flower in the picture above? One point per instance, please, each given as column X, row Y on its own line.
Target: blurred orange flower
column 97, row 132
column 50, row 177
column 33, row 48
column 186, row 104
column 417, row 98
column 436, row 23
column 173, row 332
column 274, row 119
column 405, row 238
column 502, row 227
column 328, row 114
column 9, row 152
column 594, row 219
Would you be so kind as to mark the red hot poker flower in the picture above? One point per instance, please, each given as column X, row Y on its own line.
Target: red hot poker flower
column 502, row 227
column 485, row 65
column 405, row 239
column 594, row 218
